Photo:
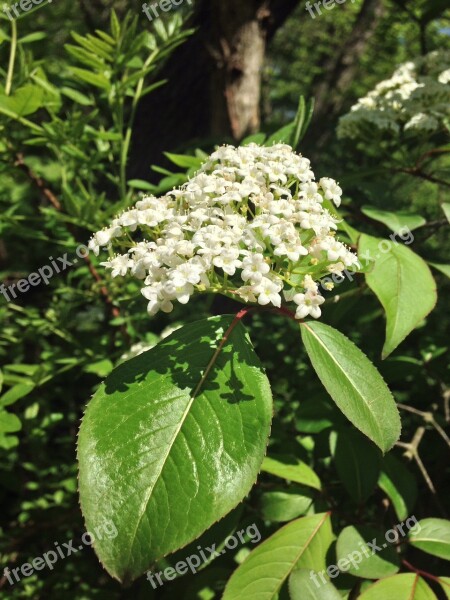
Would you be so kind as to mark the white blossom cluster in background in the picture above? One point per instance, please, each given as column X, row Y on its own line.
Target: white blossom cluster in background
column 416, row 99
column 250, row 225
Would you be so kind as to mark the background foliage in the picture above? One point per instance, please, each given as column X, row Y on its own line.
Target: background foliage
column 66, row 125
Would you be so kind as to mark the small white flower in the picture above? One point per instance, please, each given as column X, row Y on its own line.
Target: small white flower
column 336, row 268
column 228, row 261
column 331, row 189
column 268, row 292
column 119, row 265
column 254, row 267
column 308, row 304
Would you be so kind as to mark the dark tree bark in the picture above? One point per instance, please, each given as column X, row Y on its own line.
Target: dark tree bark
column 214, row 80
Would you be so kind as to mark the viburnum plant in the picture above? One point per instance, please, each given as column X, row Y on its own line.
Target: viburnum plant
column 250, row 225
column 174, row 438
column 415, row 100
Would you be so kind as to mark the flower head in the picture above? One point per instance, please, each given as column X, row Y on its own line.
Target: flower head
column 415, row 99
column 251, row 224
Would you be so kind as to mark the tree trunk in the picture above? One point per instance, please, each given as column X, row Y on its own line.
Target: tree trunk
column 214, row 81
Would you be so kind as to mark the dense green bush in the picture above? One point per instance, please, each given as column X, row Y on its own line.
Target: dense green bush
column 212, row 404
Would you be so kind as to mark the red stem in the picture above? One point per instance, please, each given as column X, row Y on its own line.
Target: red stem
column 420, row 572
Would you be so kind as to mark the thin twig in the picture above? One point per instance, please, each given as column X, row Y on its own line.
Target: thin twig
column 415, row 172
column 37, row 181
column 428, row 417
column 412, row 452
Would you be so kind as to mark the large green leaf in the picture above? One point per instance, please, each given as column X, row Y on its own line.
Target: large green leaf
column 364, row 560
column 353, row 382
column 407, row 586
column 306, row 586
column 358, row 463
column 300, row 544
column 404, row 285
column 292, row 469
column 396, row 221
column 399, row 484
column 171, row 442
column 433, row 537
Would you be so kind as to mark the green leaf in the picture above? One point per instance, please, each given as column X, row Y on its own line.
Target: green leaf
column 396, row 221
column 85, row 57
column 171, row 442
column 99, row 81
column 16, row 393
column 433, row 537
column 282, row 136
column 352, row 547
column 403, row 284
column 9, row 423
column 256, row 138
column 445, row 269
column 300, row 544
column 218, row 535
column 37, row 36
column 302, row 120
column 183, row 160
column 316, row 415
column 285, row 505
column 76, row 96
column 353, row 382
column 399, row 484
column 101, row 368
column 358, row 464
column 141, row 184
column 406, row 586
column 305, row 586
column 94, row 45
column 115, row 25
column 25, row 100
column 446, row 208
column 445, row 583
column 292, row 469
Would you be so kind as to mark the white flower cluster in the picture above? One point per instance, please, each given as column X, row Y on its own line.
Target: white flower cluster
column 416, row 98
column 250, row 225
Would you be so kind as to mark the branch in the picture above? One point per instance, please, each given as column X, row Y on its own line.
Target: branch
column 412, row 452
column 428, row 417
column 37, row 182
column 417, row 172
